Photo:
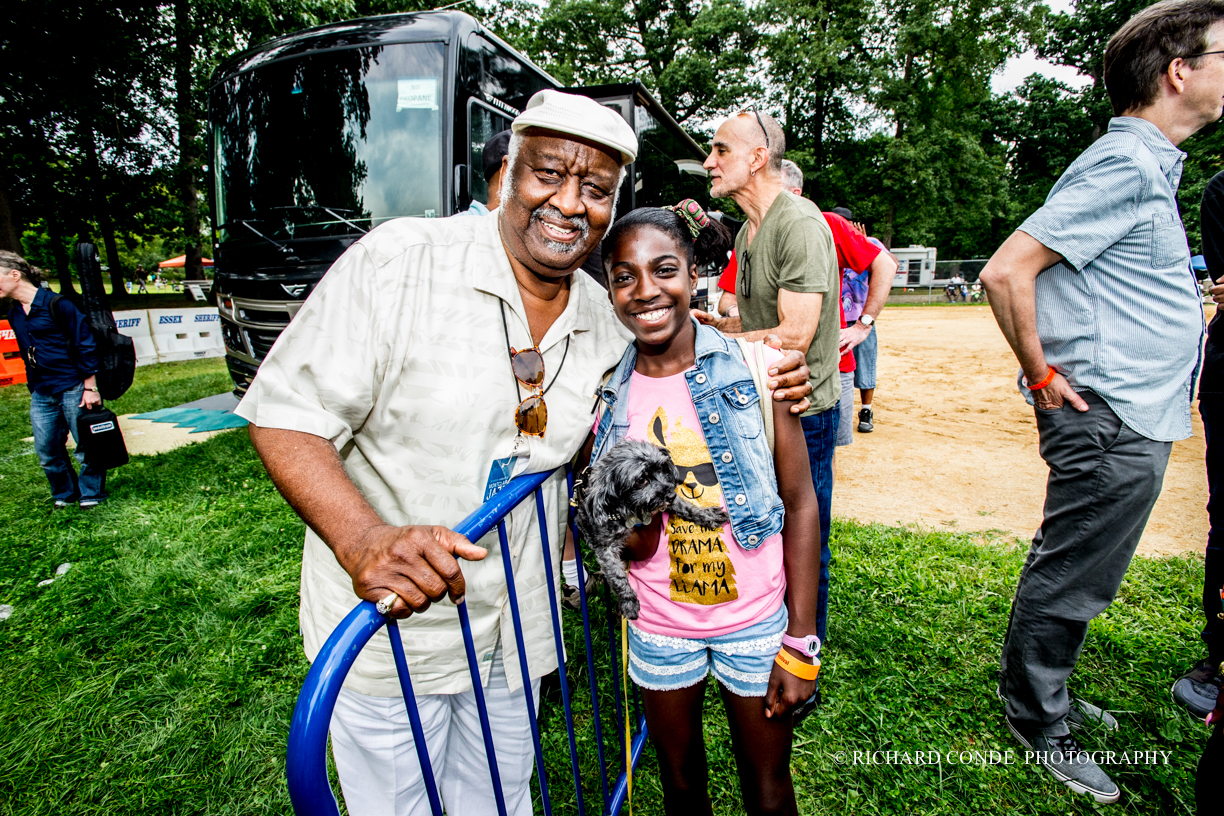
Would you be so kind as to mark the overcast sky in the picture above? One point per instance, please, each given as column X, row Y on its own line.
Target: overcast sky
column 1019, row 68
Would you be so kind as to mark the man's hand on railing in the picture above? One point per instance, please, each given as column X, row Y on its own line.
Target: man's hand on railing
column 417, row 563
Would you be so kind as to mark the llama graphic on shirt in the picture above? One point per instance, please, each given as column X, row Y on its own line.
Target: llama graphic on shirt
column 701, row 571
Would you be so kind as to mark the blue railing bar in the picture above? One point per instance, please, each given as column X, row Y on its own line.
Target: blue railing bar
column 306, row 757
column 465, row 625
column 414, row 717
column 622, row 783
column 524, row 673
column 556, row 619
column 590, row 649
column 614, row 647
column 485, row 518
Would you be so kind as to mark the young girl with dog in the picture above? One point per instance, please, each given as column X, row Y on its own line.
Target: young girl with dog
column 739, row 600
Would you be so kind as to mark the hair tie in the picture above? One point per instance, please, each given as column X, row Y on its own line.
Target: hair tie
column 694, row 217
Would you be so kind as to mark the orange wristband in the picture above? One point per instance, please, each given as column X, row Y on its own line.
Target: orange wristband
column 804, row 671
column 1046, row 380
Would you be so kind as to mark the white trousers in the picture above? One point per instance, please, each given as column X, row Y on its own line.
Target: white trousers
column 377, row 762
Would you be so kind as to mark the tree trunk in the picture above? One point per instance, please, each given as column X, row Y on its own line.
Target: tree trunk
column 62, row 266
column 102, row 211
column 10, row 236
column 818, row 144
column 189, row 153
column 890, row 212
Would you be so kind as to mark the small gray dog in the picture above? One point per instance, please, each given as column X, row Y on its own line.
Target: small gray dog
column 624, row 489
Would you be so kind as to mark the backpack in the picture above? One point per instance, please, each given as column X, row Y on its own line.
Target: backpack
column 116, row 352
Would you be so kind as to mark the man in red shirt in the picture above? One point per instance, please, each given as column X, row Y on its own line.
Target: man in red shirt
column 856, row 253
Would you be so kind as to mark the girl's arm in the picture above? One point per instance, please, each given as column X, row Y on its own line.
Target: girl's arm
column 800, row 554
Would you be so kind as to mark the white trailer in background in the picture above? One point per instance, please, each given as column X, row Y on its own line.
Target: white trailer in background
column 915, row 265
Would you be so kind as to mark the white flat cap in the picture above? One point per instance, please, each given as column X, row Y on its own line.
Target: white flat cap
column 579, row 116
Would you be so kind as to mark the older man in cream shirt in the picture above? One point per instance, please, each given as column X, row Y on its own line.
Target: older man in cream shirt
column 405, row 393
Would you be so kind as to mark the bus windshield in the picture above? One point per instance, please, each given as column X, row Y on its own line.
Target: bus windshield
column 329, row 144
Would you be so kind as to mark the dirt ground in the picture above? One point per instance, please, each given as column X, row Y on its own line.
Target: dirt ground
column 955, row 446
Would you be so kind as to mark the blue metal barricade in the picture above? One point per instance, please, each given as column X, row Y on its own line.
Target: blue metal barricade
column 306, row 759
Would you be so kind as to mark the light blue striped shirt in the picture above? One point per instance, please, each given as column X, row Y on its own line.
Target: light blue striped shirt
column 1121, row 316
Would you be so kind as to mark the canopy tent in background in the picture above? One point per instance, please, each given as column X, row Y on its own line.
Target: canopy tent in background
column 180, row 262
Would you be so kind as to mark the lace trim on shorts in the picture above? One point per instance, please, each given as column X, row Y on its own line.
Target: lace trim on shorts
column 743, row 677
column 650, row 684
column 668, row 642
column 756, row 646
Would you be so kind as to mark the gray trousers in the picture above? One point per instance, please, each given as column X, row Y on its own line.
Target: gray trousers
column 1104, row 479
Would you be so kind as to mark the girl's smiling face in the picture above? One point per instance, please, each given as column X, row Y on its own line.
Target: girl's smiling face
column 650, row 281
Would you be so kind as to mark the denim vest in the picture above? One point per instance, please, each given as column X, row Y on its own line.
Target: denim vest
column 728, row 406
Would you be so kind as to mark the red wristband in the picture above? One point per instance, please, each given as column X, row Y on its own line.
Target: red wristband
column 1046, row 380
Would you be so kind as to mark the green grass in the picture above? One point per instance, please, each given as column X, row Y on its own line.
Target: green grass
column 159, row 674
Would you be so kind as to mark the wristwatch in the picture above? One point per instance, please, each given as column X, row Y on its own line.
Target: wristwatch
column 809, row 645
column 867, row 320
column 93, row 389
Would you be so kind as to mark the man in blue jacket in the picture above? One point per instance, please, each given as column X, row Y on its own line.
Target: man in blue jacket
column 61, row 359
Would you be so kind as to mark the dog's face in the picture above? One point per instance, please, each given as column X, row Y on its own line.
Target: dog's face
column 640, row 475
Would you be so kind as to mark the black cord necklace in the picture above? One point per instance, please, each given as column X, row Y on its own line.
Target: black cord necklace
column 510, row 352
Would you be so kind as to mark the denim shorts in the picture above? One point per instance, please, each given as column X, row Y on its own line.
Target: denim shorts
column 742, row 661
column 865, row 361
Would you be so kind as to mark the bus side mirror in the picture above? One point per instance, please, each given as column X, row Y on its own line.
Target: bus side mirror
column 463, row 196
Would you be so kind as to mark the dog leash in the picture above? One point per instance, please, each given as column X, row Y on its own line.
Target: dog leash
column 625, row 691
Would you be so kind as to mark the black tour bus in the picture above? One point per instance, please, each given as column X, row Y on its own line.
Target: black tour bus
column 318, row 136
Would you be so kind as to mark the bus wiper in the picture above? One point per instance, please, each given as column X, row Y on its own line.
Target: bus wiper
column 329, row 210
column 285, row 250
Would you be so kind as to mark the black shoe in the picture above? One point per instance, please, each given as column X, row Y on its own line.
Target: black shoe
column 571, row 598
column 865, row 425
column 805, row 709
column 1070, row 764
column 1198, row 688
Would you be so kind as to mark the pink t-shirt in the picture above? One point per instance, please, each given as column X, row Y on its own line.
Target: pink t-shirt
column 699, row 583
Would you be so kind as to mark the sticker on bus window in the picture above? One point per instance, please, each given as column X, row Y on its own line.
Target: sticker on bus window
column 417, row 93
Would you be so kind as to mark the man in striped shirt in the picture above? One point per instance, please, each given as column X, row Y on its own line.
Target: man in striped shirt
column 1095, row 295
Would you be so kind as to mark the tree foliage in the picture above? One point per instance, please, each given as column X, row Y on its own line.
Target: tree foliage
column 887, row 106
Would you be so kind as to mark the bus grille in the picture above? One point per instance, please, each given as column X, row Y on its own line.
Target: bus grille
column 261, row 341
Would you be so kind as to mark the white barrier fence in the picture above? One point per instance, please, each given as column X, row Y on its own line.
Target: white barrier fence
column 166, row 335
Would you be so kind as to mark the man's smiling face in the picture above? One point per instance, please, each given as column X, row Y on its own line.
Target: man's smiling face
column 558, row 202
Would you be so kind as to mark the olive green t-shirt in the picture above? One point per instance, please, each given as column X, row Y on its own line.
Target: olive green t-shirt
column 793, row 250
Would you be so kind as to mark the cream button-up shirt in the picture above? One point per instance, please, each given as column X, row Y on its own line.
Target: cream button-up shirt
column 399, row 358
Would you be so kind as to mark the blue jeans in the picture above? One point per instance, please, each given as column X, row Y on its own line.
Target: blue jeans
column 53, row 416
column 820, row 433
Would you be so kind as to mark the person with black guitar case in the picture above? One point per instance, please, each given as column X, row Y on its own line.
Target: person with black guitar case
column 61, row 359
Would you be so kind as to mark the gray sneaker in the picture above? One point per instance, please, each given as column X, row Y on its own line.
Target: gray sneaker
column 1081, row 713
column 865, row 424
column 1198, row 688
column 571, row 599
column 1070, row 764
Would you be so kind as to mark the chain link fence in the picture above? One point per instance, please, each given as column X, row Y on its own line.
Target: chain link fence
column 954, row 282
